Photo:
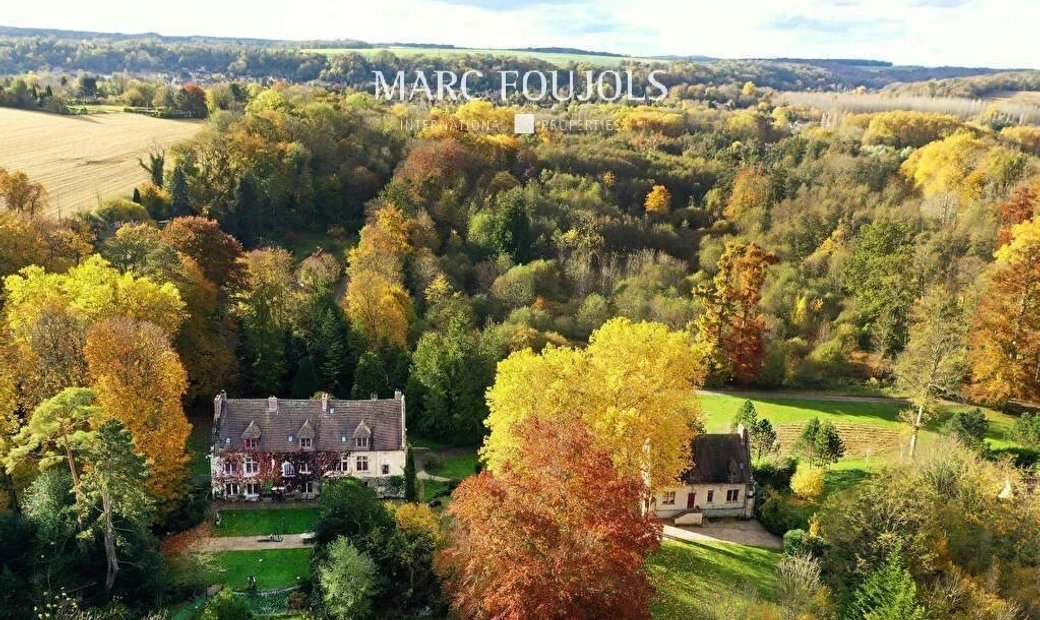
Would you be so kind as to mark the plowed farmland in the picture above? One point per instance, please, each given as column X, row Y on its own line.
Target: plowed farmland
column 81, row 159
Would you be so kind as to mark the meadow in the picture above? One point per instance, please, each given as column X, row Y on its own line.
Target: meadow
column 82, row 159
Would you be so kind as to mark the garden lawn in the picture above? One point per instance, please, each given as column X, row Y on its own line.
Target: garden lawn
column 854, row 419
column 697, row 580
column 456, row 467
column 261, row 522
column 273, row 568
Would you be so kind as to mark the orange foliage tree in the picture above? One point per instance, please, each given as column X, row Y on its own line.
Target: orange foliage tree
column 732, row 326
column 1004, row 343
column 563, row 538
column 215, row 251
column 139, row 381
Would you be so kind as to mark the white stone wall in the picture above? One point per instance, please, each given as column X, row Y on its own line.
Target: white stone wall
column 743, row 507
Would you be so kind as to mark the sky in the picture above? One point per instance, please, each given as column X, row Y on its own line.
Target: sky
column 994, row 33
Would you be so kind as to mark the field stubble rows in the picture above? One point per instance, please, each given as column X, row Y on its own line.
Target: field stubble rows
column 81, row 159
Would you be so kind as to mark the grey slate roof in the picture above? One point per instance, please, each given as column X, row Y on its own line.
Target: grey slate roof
column 719, row 458
column 332, row 431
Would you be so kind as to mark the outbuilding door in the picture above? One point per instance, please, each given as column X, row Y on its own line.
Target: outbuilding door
column 691, row 501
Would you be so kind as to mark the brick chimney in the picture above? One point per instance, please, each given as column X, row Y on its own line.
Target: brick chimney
column 324, row 402
column 272, row 404
column 397, row 394
column 742, row 431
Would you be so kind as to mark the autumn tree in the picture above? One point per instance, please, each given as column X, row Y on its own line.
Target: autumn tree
column 1019, row 208
column 20, row 194
column 376, row 300
column 633, row 386
column 933, row 364
column 561, row 537
column 215, row 251
column 731, row 327
column 47, row 315
column 658, row 201
column 264, row 304
column 1004, row 340
column 139, row 381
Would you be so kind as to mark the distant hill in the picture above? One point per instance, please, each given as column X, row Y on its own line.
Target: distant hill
column 350, row 62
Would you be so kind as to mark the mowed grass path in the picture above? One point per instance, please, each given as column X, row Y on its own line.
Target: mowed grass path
column 261, row 522
column 696, row 580
column 273, row 568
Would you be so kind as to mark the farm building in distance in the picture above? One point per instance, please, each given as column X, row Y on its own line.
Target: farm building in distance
column 285, row 448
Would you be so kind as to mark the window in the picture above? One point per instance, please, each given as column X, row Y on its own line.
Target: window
column 308, row 487
column 288, row 470
column 361, row 442
column 229, row 467
column 344, row 463
column 290, row 438
column 711, row 496
column 252, row 444
column 253, row 489
column 732, row 495
column 306, row 442
column 386, row 470
column 669, row 498
column 362, row 463
column 230, row 489
column 305, row 468
column 252, row 466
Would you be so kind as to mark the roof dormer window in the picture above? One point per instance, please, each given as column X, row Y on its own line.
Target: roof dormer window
column 306, row 443
column 361, row 442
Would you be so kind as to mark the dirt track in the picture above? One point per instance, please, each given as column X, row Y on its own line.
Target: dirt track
column 80, row 159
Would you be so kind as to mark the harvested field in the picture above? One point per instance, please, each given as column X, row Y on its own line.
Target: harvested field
column 80, row 159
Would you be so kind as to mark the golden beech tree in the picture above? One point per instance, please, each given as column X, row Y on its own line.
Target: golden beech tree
column 376, row 299
column 139, row 381
column 46, row 317
column 732, row 327
column 1004, row 342
column 633, row 386
column 561, row 537
column 658, row 201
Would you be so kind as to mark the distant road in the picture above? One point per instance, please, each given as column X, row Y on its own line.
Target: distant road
column 834, row 398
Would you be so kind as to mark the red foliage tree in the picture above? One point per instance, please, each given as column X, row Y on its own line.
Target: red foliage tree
column 214, row 250
column 1018, row 209
column 562, row 538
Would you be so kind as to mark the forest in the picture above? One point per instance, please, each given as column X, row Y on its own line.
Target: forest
column 307, row 241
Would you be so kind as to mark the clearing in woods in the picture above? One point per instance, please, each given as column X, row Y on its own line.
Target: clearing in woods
column 80, row 159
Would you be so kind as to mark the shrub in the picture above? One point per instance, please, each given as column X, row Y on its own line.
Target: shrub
column 968, row 427
column 776, row 474
column 1027, row 430
column 807, row 481
column 781, row 512
column 227, row 606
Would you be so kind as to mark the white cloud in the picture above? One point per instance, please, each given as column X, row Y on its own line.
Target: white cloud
column 931, row 32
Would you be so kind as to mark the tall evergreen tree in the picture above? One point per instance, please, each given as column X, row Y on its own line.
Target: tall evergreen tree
column 179, row 197
column 889, row 593
column 369, row 377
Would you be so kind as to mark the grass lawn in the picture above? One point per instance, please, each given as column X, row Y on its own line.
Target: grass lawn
column 456, row 467
column 273, row 568
column 718, row 411
column 696, row 580
column 199, row 445
column 260, row 522
column 432, row 489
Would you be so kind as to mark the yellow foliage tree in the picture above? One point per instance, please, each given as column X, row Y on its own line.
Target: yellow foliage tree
column 658, row 200
column 376, row 298
column 634, row 386
column 139, row 381
column 807, row 481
